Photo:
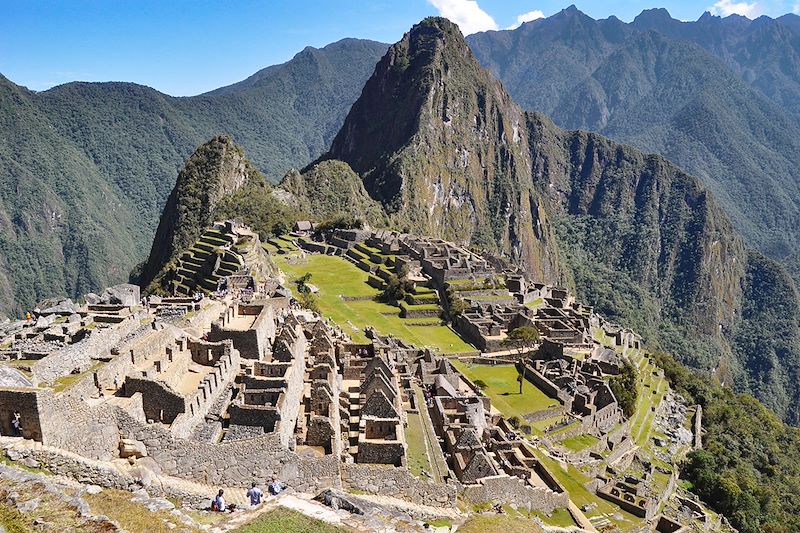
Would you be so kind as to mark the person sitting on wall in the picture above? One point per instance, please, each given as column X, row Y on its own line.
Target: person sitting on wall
column 255, row 494
column 276, row 487
column 218, row 504
column 16, row 425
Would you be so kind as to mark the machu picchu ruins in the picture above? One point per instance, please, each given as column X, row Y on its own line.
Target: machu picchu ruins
column 224, row 378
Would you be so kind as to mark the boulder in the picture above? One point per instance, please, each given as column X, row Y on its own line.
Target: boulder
column 45, row 321
column 336, row 499
column 63, row 307
column 93, row 299
column 125, row 294
column 132, row 448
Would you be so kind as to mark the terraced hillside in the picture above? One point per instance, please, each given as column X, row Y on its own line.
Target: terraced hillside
column 347, row 294
column 221, row 250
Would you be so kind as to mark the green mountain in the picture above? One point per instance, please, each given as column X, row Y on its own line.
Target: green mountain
column 676, row 89
column 86, row 168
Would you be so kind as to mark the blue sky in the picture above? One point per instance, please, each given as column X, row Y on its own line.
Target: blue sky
column 185, row 47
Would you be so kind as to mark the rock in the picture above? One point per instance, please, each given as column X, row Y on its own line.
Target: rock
column 75, row 317
column 132, row 448
column 30, row 462
column 45, row 321
column 159, row 504
column 123, row 294
column 81, row 506
column 13, row 454
column 93, row 299
column 336, row 499
column 94, row 489
column 11, row 377
column 28, row 506
column 63, row 307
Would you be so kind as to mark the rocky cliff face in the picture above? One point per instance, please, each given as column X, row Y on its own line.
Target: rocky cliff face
column 442, row 146
column 215, row 170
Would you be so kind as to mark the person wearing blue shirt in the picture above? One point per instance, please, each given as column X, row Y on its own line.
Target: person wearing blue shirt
column 255, row 494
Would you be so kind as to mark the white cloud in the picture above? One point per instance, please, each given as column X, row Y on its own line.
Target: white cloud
column 466, row 13
column 729, row 7
column 526, row 17
column 796, row 8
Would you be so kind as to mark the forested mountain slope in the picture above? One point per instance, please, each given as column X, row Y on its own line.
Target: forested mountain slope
column 86, row 168
column 716, row 96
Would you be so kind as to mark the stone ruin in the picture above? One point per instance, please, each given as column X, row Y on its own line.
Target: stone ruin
column 239, row 384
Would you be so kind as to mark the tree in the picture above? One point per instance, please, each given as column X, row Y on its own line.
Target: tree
column 302, row 283
column 396, row 288
column 521, row 339
column 624, row 387
column 480, row 384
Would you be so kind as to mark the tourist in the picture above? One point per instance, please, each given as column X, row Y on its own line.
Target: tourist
column 218, row 504
column 16, row 425
column 276, row 487
column 255, row 494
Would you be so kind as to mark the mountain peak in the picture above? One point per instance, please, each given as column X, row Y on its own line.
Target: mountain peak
column 653, row 17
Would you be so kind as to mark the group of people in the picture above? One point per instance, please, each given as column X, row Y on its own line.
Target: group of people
column 254, row 494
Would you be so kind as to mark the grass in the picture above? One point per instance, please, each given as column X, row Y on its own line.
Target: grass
column 644, row 415
column 503, row 389
column 558, row 518
column 418, row 459
column 336, row 277
column 579, row 443
column 488, row 523
column 288, row 521
column 117, row 505
column 573, row 482
column 65, row 382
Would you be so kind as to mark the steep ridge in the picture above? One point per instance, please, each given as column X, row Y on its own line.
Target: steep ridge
column 217, row 169
column 440, row 144
column 444, row 149
column 87, row 167
column 675, row 93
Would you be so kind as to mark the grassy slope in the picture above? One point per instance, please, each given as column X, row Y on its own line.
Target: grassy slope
column 503, row 389
column 288, row 521
column 336, row 277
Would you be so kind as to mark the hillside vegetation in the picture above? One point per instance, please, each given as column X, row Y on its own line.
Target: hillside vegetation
column 87, row 167
column 719, row 97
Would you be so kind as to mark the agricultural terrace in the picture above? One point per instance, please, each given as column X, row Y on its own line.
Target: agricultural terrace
column 345, row 298
column 652, row 390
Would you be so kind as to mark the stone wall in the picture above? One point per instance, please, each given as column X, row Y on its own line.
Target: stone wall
column 208, row 391
column 511, row 490
column 26, row 403
column 251, row 343
column 231, row 463
column 398, row 483
column 73, row 425
column 161, row 403
column 81, row 354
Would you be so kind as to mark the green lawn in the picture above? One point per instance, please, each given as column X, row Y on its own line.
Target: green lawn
column 643, row 417
column 288, row 521
column 336, row 277
column 580, row 442
column 417, row 453
column 573, row 482
column 503, row 389
column 558, row 518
